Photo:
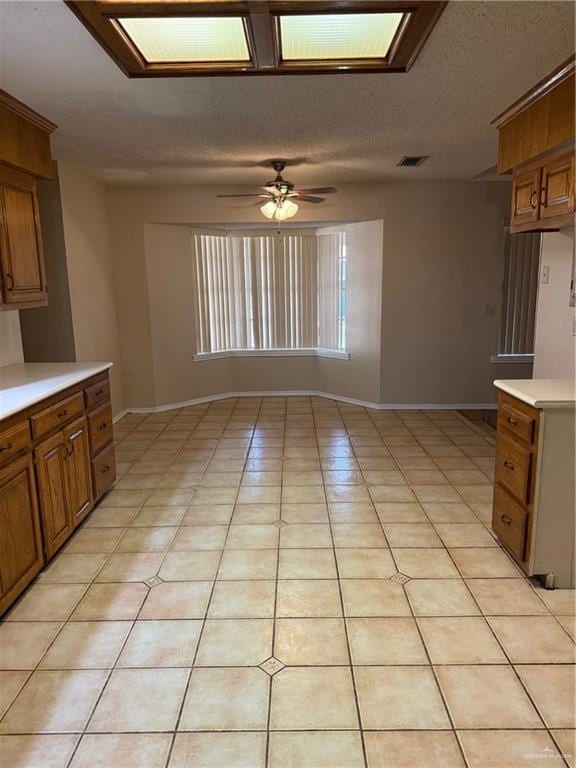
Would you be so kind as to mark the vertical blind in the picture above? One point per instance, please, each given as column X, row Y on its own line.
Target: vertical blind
column 520, row 288
column 268, row 292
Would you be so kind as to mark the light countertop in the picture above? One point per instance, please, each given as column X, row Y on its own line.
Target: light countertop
column 540, row 393
column 24, row 384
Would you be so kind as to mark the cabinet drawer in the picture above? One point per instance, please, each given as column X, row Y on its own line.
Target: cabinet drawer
column 103, row 471
column 57, row 415
column 14, row 440
column 97, row 393
column 100, row 428
column 509, row 522
column 513, row 466
column 514, row 422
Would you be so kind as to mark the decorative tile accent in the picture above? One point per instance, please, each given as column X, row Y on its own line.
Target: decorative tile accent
column 400, row 578
column 272, row 665
column 280, row 523
column 154, row 581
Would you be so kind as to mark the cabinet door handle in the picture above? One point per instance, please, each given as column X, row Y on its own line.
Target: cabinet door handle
column 511, row 421
column 62, row 414
column 105, row 469
column 6, row 447
column 509, row 465
column 506, row 520
column 543, row 196
column 64, row 451
column 9, row 279
column 102, row 426
column 534, row 199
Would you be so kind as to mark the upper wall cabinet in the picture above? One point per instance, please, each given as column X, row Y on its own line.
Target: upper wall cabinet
column 24, row 157
column 536, row 142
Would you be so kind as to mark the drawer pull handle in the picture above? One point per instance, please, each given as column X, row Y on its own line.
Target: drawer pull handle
column 102, row 426
column 105, row 469
column 6, row 447
column 509, row 465
column 511, row 421
column 98, row 392
column 506, row 520
column 61, row 414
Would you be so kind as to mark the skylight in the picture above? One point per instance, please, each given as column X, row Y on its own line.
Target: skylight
column 329, row 37
column 193, row 39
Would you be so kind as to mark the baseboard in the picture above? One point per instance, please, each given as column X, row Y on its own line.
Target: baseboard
column 314, row 393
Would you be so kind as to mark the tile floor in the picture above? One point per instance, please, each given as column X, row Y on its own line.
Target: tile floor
column 290, row 583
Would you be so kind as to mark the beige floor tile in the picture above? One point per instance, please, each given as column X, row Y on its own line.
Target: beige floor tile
column 242, row 600
column 299, row 536
column 306, row 564
column 22, row 644
column 399, row 697
column 533, row 639
column 486, row 697
column 255, row 514
column 138, row 482
column 436, row 493
column 37, row 751
column 110, row 602
column 111, row 517
column 123, row 750
column 449, row 512
column 305, row 494
column 307, row 598
column 254, row 494
column 94, row 540
column 313, row 698
column 553, row 690
column 401, row 512
column 338, row 494
column 238, row 564
column 191, row 537
column 168, row 643
column 425, row 563
column 425, row 477
column 477, row 493
column 216, row 750
column 146, row 540
column 300, row 478
column 358, row 535
column 411, row 535
column 208, row 514
column 177, row 600
column 569, row 624
column 412, row 749
column 353, row 512
column 252, row 537
column 506, row 597
column 385, row 494
column 311, row 642
column 143, row 700
column 11, row 683
column 204, row 496
column 235, row 642
column 561, row 602
column 460, row 640
column 262, row 478
column 508, row 749
column 365, row 563
column 482, row 562
column 126, row 567
column 133, row 498
column 47, row 602
column 566, row 741
column 304, row 513
column 87, row 645
column 328, row 749
column 72, row 569
column 385, row 641
column 54, row 702
column 440, row 597
column 226, row 699
column 373, row 597
column 465, row 535
column 157, row 516
column 466, row 477
column 199, row 565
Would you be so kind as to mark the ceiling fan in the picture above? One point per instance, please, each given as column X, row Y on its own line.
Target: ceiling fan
column 281, row 197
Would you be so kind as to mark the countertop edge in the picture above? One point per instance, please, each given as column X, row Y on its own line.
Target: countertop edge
column 535, row 402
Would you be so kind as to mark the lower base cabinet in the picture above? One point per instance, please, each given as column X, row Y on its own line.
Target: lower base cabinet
column 21, row 555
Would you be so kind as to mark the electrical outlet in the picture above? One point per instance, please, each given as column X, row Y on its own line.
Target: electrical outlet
column 545, row 274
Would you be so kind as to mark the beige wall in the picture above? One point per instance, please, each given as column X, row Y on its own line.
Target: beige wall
column 90, row 274
column 554, row 346
column 10, row 339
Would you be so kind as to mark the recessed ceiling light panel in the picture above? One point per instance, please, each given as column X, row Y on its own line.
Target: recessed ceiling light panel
column 191, row 39
column 338, row 36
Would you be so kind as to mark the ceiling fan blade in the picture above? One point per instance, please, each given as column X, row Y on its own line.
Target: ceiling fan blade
column 307, row 198
column 251, row 194
column 319, row 190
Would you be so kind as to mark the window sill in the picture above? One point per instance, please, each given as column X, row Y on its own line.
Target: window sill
column 273, row 353
column 512, row 359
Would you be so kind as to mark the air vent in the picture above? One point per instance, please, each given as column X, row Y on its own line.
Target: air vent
column 413, row 160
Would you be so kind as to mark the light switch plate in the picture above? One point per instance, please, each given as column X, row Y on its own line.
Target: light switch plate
column 545, row 274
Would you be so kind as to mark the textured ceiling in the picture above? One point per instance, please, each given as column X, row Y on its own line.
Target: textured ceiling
column 480, row 57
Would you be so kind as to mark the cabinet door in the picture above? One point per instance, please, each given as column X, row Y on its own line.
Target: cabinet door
column 51, row 457
column 20, row 540
column 21, row 255
column 557, row 196
column 525, row 196
column 78, row 469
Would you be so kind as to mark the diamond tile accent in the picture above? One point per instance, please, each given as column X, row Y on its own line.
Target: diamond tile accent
column 153, row 581
column 400, row 578
column 272, row 665
column 280, row 523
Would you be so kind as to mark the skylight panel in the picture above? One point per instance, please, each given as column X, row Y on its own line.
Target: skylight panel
column 188, row 39
column 330, row 37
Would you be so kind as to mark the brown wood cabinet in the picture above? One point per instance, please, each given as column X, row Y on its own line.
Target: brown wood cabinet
column 543, row 194
column 57, row 523
column 24, row 156
column 78, row 470
column 21, row 556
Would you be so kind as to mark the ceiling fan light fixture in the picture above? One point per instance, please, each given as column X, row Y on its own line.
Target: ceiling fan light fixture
column 279, row 209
